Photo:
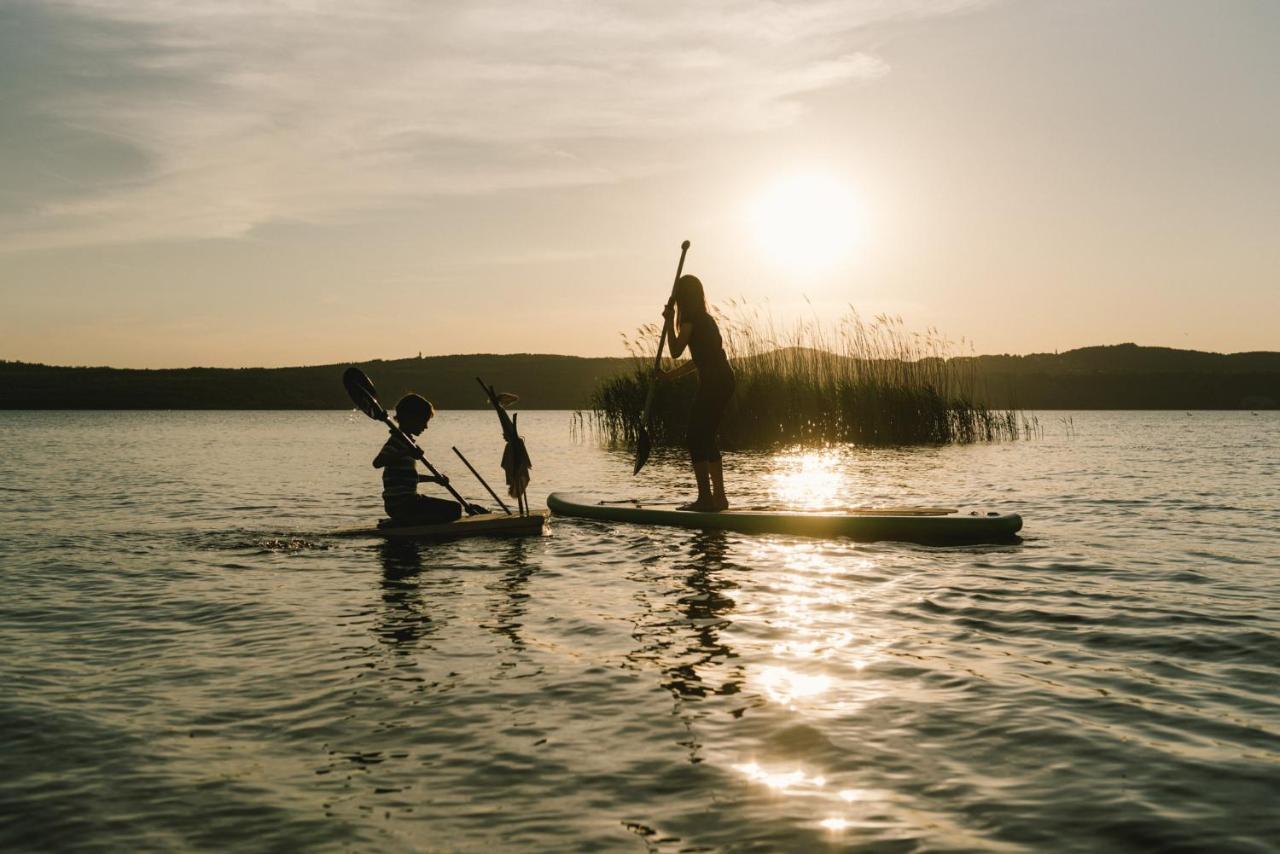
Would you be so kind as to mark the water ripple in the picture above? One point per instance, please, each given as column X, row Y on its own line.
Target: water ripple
column 192, row 662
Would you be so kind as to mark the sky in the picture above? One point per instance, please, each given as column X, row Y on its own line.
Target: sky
column 241, row 183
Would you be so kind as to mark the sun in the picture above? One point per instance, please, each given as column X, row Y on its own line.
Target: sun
column 808, row 223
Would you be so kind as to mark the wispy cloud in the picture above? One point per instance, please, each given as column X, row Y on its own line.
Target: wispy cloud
column 201, row 119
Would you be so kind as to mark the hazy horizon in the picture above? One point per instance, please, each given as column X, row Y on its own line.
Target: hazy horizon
column 282, row 184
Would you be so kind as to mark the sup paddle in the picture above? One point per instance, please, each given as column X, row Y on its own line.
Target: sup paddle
column 362, row 393
column 643, row 443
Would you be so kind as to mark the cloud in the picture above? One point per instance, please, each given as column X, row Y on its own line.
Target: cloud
column 207, row 119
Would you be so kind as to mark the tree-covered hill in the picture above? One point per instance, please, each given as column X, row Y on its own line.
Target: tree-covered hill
column 1126, row 376
column 542, row 381
column 1123, row 376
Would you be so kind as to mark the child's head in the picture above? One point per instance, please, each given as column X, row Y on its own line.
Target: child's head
column 413, row 412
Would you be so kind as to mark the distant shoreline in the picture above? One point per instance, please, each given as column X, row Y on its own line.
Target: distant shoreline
column 1123, row 376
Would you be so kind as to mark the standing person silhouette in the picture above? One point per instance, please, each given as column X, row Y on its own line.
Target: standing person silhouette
column 696, row 329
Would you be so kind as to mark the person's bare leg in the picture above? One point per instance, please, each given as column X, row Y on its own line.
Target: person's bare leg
column 702, row 473
column 718, row 498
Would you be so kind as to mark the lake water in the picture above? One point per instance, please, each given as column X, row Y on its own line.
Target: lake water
column 189, row 662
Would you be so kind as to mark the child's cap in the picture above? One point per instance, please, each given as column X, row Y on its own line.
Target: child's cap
column 414, row 406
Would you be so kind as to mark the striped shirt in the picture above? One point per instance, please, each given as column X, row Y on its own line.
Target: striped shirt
column 399, row 472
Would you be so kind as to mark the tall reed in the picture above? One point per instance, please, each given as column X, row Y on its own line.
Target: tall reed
column 869, row 382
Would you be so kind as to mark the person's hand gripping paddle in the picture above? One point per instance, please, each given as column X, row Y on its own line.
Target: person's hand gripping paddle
column 643, row 443
column 362, row 393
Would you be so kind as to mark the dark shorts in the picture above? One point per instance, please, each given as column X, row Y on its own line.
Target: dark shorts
column 423, row 510
column 714, row 393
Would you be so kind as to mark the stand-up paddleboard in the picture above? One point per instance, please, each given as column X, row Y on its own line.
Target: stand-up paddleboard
column 917, row 525
column 484, row 525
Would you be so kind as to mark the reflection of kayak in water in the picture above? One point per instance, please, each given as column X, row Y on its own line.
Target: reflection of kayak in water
column 920, row 524
column 484, row 525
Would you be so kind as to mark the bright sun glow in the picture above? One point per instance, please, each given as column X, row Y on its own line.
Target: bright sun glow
column 808, row 223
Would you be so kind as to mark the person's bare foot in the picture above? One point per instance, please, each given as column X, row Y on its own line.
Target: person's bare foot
column 701, row 505
column 720, row 503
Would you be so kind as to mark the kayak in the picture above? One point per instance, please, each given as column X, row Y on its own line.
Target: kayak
column 483, row 525
column 908, row 524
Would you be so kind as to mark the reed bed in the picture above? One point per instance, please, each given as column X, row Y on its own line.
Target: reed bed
column 868, row 382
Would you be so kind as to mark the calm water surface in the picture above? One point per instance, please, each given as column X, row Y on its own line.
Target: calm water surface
column 189, row 662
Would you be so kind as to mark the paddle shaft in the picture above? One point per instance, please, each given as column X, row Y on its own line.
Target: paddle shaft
column 466, row 463
column 666, row 331
column 508, row 427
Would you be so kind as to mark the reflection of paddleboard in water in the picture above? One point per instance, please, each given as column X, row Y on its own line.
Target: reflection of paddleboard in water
column 919, row 525
column 484, row 525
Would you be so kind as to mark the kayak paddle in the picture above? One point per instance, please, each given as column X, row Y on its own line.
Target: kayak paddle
column 362, row 393
column 643, row 443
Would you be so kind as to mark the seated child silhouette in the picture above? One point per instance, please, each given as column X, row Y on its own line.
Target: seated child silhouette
column 400, row 477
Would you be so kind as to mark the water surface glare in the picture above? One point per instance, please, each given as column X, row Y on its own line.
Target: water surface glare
column 191, row 663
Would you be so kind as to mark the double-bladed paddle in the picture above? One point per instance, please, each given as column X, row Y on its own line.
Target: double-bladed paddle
column 643, row 442
column 362, row 393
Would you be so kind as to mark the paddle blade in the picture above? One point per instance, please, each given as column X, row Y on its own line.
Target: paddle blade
column 643, row 446
column 362, row 393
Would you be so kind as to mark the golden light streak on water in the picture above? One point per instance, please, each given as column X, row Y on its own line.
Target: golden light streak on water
column 781, row 781
column 787, row 686
column 819, row 644
column 820, row 648
column 810, row 480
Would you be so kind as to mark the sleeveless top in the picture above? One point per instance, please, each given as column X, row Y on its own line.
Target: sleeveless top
column 706, row 348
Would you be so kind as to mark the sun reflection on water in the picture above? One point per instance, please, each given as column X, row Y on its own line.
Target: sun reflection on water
column 809, row 480
column 785, row 686
column 782, row 781
column 820, row 646
column 818, row 639
column 794, row 782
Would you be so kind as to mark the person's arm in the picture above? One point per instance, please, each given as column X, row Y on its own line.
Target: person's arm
column 430, row 478
column 682, row 370
column 679, row 338
column 395, row 448
column 385, row 456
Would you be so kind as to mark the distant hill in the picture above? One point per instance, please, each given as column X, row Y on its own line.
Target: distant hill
column 542, row 381
column 1124, row 376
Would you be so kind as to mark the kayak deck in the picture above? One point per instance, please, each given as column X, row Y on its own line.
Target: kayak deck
column 919, row 525
column 483, row 525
